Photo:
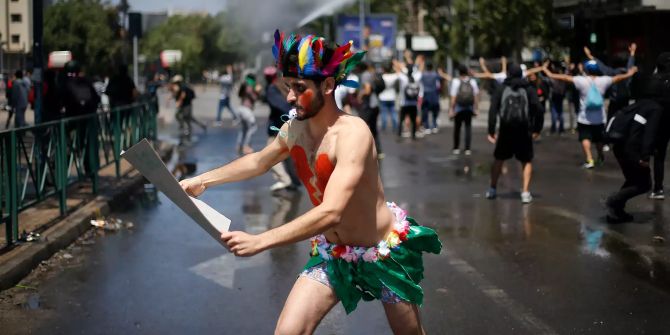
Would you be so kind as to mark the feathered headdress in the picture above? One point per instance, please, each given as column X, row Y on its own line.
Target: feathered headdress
column 311, row 57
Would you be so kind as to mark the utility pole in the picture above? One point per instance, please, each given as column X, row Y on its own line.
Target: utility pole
column 38, row 59
column 361, row 23
column 471, row 40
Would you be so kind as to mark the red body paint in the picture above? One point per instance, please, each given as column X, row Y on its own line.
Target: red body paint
column 315, row 179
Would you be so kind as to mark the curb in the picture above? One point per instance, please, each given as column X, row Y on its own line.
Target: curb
column 24, row 258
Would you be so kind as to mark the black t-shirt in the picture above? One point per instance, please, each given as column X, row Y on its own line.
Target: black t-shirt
column 120, row 90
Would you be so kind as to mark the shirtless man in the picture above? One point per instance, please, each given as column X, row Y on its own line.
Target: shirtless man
column 362, row 246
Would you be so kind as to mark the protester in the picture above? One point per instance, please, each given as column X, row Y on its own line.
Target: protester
column 619, row 93
column 387, row 98
column 591, row 118
column 430, row 99
column 249, row 94
column 371, row 85
column 183, row 96
column 226, row 82
column 275, row 96
column 660, row 88
column 362, row 246
column 558, row 90
column 633, row 151
column 516, row 104
column 19, row 99
column 464, row 94
column 121, row 88
column 409, row 98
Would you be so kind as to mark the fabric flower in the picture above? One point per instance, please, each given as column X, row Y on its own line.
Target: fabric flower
column 383, row 249
column 349, row 255
column 393, row 239
column 370, row 255
column 323, row 252
column 338, row 251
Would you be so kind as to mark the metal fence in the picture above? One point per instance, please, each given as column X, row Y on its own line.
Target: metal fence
column 44, row 160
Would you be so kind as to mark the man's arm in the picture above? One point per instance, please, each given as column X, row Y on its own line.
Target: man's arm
column 352, row 152
column 245, row 167
column 564, row 77
column 624, row 76
column 494, row 108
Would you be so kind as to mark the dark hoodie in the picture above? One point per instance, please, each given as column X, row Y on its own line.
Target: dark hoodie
column 535, row 109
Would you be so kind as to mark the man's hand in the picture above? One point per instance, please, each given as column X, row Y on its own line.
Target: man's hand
column 242, row 244
column 193, row 186
column 492, row 138
column 631, row 48
column 587, row 52
column 452, row 115
column 535, row 135
column 632, row 70
column 644, row 164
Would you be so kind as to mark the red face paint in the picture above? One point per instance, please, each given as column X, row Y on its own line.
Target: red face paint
column 306, row 100
column 315, row 185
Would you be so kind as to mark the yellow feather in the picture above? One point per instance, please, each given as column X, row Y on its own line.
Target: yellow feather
column 302, row 56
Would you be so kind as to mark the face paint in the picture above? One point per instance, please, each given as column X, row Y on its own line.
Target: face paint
column 314, row 178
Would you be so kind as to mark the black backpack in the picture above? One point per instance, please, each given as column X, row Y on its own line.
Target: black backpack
column 618, row 127
column 466, row 94
column 81, row 97
column 190, row 94
column 412, row 91
column 378, row 84
column 514, row 107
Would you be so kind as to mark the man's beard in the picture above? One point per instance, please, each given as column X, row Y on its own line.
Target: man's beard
column 314, row 107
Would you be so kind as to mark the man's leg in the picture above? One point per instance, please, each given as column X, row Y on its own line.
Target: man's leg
column 586, row 146
column 496, row 169
column 659, row 163
column 403, row 317
column 458, row 121
column 468, row 130
column 527, row 174
column 308, row 302
column 220, row 109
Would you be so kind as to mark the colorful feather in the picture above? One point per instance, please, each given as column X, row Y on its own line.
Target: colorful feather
column 304, row 53
column 340, row 54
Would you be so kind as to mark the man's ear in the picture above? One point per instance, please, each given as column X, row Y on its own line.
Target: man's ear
column 328, row 86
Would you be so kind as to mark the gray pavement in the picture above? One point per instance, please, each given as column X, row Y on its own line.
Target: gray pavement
column 551, row 267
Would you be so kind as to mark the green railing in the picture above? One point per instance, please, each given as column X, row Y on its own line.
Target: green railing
column 44, row 160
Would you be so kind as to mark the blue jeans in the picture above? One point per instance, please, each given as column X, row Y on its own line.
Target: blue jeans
column 557, row 114
column 388, row 109
column 225, row 102
column 430, row 108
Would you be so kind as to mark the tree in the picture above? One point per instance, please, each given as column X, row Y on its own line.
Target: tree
column 87, row 28
column 499, row 27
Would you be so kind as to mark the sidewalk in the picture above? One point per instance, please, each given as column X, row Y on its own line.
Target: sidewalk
column 58, row 232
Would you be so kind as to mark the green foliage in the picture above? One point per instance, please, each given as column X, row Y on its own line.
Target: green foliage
column 500, row 27
column 205, row 41
column 87, row 28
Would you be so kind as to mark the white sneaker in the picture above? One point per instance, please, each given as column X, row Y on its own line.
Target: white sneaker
column 526, row 198
column 436, row 130
column 427, row 132
column 406, row 134
column 468, row 152
column 606, row 148
column 588, row 165
column 491, row 193
column 279, row 186
column 657, row 195
column 456, row 151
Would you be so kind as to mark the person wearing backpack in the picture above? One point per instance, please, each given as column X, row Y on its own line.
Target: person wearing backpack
column 430, row 98
column 409, row 98
column 633, row 133
column 521, row 116
column 591, row 118
column 464, row 94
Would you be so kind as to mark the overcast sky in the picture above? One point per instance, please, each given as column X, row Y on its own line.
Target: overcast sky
column 212, row 6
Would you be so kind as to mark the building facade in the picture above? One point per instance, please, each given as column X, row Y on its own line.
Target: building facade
column 16, row 34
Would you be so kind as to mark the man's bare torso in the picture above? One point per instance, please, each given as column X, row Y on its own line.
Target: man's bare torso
column 366, row 220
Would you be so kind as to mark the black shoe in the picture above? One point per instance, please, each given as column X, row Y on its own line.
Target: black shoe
column 617, row 215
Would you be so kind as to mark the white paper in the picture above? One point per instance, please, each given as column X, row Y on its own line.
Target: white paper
column 146, row 160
